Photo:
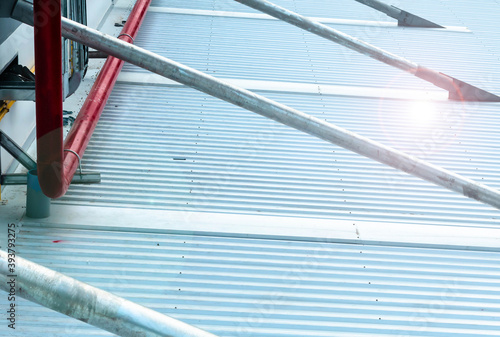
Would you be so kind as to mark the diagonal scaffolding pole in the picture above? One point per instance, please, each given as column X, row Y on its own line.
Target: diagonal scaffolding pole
column 20, row 277
column 458, row 90
column 16, row 151
column 271, row 109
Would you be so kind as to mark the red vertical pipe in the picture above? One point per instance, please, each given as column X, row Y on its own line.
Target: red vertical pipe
column 86, row 121
column 49, row 93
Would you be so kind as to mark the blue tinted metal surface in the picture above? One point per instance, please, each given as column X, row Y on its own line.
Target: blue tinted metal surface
column 245, row 287
column 172, row 148
column 266, row 50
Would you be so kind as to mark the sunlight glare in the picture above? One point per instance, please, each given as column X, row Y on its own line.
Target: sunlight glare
column 422, row 113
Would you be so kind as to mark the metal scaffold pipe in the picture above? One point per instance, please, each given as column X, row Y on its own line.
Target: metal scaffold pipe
column 458, row 90
column 278, row 112
column 86, row 303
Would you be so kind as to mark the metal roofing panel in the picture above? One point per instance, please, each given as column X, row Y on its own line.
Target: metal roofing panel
column 168, row 147
column 205, row 155
column 482, row 20
column 249, row 287
column 174, row 148
column 271, row 50
column 344, row 9
column 266, row 50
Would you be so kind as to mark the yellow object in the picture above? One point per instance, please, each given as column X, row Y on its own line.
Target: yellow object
column 4, row 108
column 6, row 105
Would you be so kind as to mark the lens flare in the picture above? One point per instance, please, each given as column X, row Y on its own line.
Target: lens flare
column 423, row 113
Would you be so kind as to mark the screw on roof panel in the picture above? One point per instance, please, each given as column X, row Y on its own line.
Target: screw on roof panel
column 458, row 90
column 404, row 18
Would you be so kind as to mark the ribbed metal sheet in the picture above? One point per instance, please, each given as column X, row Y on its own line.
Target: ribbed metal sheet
column 173, row 148
column 342, row 9
column 272, row 50
column 245, row 287
column 267, row 50
column 482, row 18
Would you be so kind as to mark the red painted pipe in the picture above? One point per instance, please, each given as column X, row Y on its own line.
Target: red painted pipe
column 49, row 93
column 86, row 121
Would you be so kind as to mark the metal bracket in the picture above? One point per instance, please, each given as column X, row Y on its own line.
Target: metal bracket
column 467, row 92
column 79, row 159
column 406, row 19
column 86, row 177
column 127, row 35
column 458, row 90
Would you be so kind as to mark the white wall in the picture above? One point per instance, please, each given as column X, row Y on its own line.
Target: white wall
column 96, row 10
column 19, row 123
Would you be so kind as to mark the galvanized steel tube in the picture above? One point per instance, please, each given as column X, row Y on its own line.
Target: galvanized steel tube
column 280, row 113
column 88, row 304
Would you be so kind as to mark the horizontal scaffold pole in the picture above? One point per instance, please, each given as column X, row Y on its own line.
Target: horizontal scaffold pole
column 273, row 110
column 86, row 303
column 458, row 90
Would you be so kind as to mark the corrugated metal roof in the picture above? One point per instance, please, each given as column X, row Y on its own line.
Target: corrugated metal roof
column 175, row 148
column 171, row 148
column 265, row 50
column 247, row 287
